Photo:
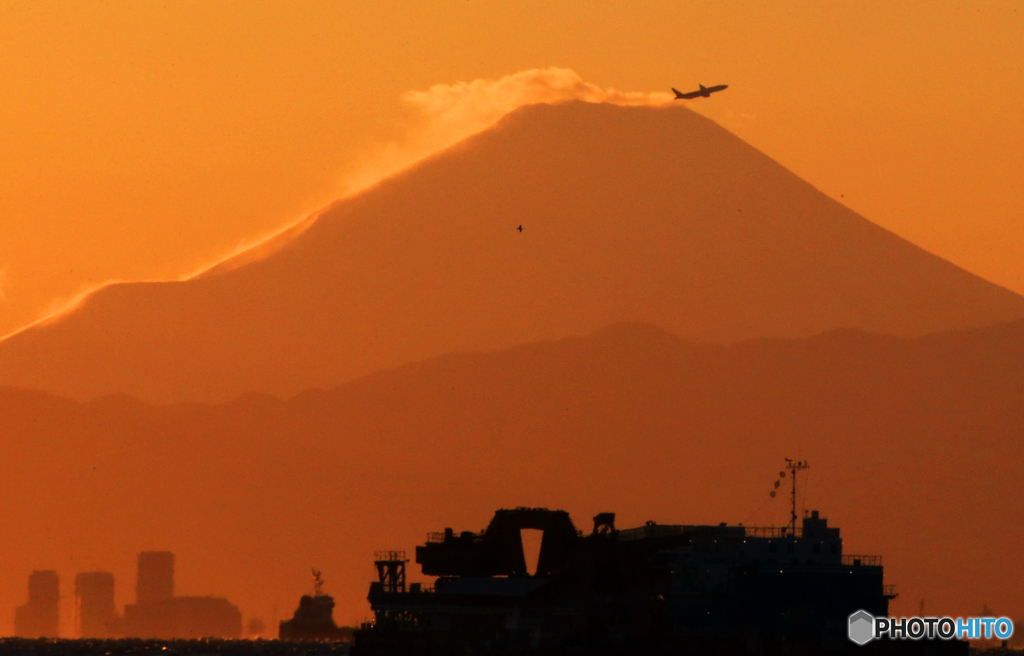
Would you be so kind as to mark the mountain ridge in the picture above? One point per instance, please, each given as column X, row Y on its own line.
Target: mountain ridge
column 644, row 214
column 906, row 438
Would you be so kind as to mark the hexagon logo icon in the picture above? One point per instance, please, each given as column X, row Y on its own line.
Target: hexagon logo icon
column 862, row 627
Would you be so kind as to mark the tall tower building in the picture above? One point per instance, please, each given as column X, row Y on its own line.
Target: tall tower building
column 94, row 605
column 155, row 583
column 40, row 617
column 157, row 613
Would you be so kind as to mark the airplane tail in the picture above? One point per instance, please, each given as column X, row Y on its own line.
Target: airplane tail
column 679, row 94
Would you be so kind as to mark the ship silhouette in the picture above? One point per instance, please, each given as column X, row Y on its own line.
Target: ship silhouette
column 652, row 589
column 314, row 618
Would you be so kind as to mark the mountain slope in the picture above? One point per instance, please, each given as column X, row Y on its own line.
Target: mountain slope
column 628, row 214
column 914, row 447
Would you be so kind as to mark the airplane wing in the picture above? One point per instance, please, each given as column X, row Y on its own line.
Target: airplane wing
column 685, row 96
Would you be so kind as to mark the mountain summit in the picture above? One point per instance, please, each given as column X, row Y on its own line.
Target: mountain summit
column 627, row 213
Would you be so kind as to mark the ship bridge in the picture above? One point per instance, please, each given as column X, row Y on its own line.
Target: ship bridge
column 498, row 550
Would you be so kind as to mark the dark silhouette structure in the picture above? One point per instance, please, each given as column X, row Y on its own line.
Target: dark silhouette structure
column 94, row 605
column 155, row 582
column 652, row 589
column 498, row 551
column 703, row 92
column 314, row 618
column 157, row 613
column 794, row 466
column 40, row 617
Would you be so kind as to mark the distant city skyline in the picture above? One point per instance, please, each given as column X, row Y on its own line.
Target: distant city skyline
column 156, row 614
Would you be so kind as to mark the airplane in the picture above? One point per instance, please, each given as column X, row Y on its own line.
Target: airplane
column 704, row 92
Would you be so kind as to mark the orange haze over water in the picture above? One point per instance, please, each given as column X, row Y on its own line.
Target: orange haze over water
column 914, row 447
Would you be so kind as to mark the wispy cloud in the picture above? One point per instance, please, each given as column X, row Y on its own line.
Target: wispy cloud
column 445, row 114
column 440, row 116
column 59, row 305
column 474, row 105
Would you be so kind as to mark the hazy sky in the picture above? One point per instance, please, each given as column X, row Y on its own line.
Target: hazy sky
column 145, row 140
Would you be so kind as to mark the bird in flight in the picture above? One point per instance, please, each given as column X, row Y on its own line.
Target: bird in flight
column 703, row 92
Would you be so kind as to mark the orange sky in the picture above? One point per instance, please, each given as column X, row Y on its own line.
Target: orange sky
column 143, row 141
column 146, row 141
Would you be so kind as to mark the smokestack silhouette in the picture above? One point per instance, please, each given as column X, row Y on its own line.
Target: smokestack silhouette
column 94, row 605
column 155, row 583
column 40, row 617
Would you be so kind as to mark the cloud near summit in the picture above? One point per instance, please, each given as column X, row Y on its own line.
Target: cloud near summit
column 482, row 102
column 445, row 114
column 440, row 117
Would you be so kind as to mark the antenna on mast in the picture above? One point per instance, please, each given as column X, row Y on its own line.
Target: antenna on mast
column 794, row 466
column 318, row 583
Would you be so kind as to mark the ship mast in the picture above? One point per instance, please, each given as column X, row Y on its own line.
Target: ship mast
column 318, row 583
column 794, row 466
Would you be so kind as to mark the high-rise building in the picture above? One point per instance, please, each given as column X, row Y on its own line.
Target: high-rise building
column 40, row 617
column 94, row 605
column 157, row 613
column 155, row 583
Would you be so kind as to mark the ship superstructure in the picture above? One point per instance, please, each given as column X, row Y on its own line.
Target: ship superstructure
column 314, row 618
column 656, row 587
